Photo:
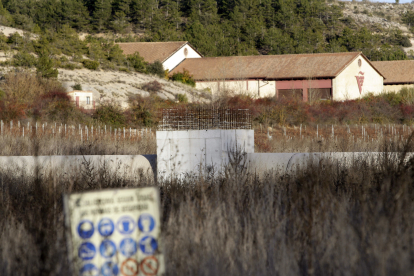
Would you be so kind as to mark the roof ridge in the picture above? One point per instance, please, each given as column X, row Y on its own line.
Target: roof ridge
column 266, row 56
column 151, row 42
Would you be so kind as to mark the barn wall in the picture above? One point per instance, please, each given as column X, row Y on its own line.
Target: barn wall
column 179, row 56
column 255, row 88
column 304, row 85
column 396, row 87
column 345, row 86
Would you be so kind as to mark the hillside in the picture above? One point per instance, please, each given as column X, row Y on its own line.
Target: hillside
column 117, row 86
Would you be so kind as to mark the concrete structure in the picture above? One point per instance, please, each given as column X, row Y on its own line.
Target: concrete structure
column 199, row 151
column 337, row 76
column 131, row 167
column 82, row 99
column 170, row 54
column 398, row 74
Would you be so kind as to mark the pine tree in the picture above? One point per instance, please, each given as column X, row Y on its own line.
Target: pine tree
column 101, row 14
column 44, row 66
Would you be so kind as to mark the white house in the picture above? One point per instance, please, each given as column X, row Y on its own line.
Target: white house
column 170, row 54
column 82, row 99
column 337, row 76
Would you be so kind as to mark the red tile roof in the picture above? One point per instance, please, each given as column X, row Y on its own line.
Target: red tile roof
column 396, row 71
column 152, row 51
column 278, row 67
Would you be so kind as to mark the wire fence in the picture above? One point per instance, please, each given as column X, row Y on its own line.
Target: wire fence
column 79, row 132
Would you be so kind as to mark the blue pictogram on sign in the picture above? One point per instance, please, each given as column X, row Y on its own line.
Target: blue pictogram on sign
column 107, row 248
column 125, row 225
column 128, row 247
column 146, row 223
column 89, row 270
column 86, row 251
column 109, row 269
column 106, row 227
column 148, row 245
column 85, row 229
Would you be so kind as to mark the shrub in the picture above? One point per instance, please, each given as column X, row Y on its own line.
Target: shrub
column 182, row 98
column 184, row 77
column 44, row 66
column 90, row 64
column 137, row 62
column 110, row 114
column 70, row 66
column 55, row 105
column 152, row 87
column 156, row 68
column 405, row 42
column 24, row 59
column 124, row 69
column 77, row 86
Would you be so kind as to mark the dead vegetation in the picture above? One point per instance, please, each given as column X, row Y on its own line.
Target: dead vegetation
column 324, row 220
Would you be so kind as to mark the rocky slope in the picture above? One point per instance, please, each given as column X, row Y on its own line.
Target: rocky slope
column 117, row 86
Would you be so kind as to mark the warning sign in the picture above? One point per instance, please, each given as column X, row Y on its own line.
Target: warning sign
column 149, row 266
column 115, row 232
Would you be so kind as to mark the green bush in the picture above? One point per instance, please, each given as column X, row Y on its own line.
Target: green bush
column 44, row 66
column 70, row 66
column 184, row 77
column 156, row 68
column 137, row 62
column 24, row 59
column 77, row 86
column 182, row 98
column 124, row 69
column 110, row 114
column 90, row 64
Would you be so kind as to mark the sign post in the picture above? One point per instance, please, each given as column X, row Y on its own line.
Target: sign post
column 115, row 232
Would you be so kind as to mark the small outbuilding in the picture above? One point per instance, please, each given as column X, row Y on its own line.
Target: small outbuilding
column 398, row 74
column 170, row 54
column 82, row 99
column 337, row 76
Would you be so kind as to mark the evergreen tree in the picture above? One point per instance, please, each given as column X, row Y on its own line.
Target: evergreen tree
column 44, row 66
column 101, row 14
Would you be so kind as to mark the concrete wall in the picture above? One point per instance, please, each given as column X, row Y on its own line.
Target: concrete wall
column 263, row 163
column 131, row 167
column 179, row 56
column 255, row 88
column 396, row 87
column 198, row 151
column 345, row 86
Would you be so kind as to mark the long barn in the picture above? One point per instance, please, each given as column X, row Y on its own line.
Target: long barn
column 337, row 76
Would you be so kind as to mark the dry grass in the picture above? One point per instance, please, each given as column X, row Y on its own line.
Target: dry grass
column 325, row 220
column 52, row 140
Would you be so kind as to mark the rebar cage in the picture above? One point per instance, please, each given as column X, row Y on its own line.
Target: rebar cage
column 205, row 118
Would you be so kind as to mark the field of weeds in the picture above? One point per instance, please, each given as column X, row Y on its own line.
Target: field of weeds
column 325, row 220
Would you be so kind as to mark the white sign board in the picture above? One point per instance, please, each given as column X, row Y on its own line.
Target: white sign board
column 115, row 232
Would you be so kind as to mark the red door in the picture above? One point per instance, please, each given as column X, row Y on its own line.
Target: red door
column 77, row 101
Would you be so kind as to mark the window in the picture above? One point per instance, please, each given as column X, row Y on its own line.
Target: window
column 319, row 94
column 88, row 100
column 290, row 93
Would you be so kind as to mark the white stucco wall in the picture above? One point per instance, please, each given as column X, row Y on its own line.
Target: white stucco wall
column 179, row 56
column 255, row 88
column 82, row 98
column 131, row 167
column 345, row 86
column 396, row 87
column 198, row 151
